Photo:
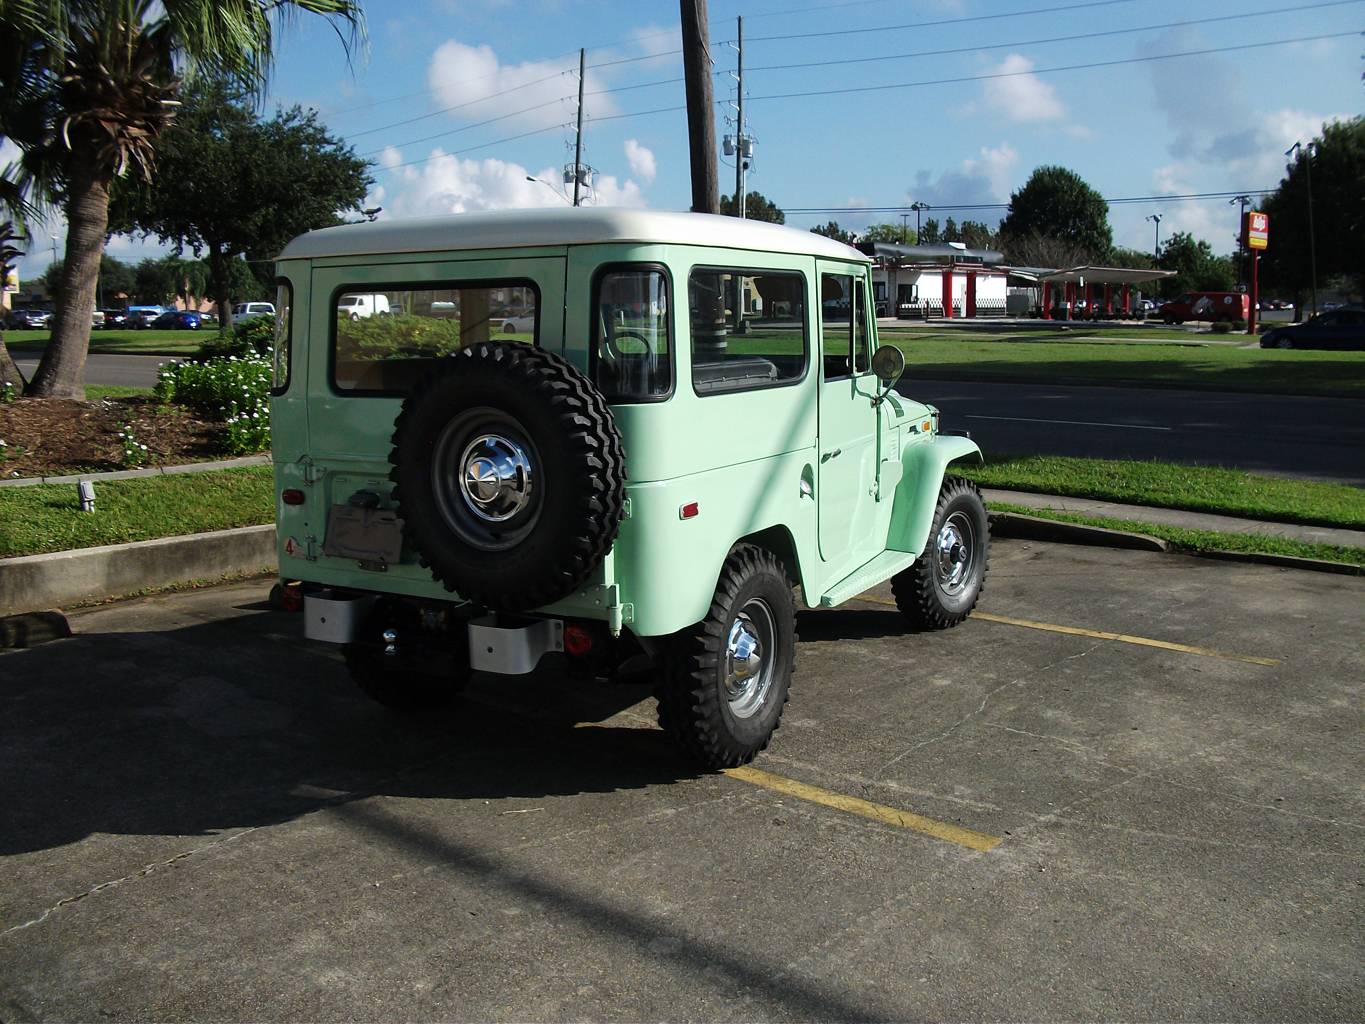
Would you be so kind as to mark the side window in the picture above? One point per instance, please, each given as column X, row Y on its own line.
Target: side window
column 862, row 330
column 836, row 325
column 284, row 301
column 748, row 328
column 631, row 345
column 384, row 341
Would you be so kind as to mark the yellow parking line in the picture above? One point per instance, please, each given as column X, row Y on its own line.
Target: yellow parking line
column 1099, row 634
column 877, row 812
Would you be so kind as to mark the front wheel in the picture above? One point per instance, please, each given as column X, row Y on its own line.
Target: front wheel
column 725, row 680
column 942, row 586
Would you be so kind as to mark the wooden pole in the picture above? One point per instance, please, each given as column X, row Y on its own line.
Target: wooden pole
column 701, row 113
column 578, row 136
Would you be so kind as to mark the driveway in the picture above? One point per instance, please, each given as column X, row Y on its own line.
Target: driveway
column 1129, row 787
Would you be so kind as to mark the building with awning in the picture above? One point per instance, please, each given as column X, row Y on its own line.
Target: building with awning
column 1069, row 291
column 945, row 279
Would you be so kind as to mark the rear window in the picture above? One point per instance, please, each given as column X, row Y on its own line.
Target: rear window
column 383, row 342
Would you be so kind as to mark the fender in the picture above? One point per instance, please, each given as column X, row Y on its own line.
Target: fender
column 922, row 469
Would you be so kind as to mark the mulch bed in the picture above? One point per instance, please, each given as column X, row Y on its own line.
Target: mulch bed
column 59, row 436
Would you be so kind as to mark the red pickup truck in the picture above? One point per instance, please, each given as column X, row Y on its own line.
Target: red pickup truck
column 1206, row 306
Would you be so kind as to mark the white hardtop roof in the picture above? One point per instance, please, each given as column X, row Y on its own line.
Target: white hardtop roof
column 584, row 225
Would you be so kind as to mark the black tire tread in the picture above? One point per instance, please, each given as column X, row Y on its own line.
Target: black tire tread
column 688, row 699
column 915, row 588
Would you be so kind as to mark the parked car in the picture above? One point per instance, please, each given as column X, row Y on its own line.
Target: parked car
column 245, row 311
column 28, row 318
column 97, row 320
column 1337, row 328
column 115, row 318
column 519, row 324
column 142, row 316
column 605, row 492
column 178, row 320
column 358, row 307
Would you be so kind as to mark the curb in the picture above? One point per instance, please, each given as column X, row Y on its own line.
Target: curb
column 1012, row 524
column 33, row 582
column 138, row 474
column 1285, row 561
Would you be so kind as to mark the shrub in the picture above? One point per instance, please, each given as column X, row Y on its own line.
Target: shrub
column 1221, row 327
column 234, row 390
column 7, row 391
column 387, row 337
column 254, row 337
column 134, row 452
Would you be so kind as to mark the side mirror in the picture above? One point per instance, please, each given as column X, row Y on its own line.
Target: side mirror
column 888, row 363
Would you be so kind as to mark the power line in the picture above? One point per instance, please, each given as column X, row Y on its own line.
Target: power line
column 468, row 127
column 470, row 103
column 1044, row 71
column 905, row 208
column 1056, row 39
column 944, row 21
column 484, row 145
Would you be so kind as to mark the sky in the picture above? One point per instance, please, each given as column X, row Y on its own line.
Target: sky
column 851, row 103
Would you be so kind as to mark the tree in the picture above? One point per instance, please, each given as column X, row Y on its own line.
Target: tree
column 1131, row 259
column 159, row 281
column 950, row 231
column 1197, row 268
column 102, row 78
column 233, row 185
column 115, row 278
column 756, row 207
column 1044, row 251
column 975, row 235
column 1338, row 168
column 834, row 231
column 9, row 252
column 1057, row 203
column 897, row 233
column 929, row 234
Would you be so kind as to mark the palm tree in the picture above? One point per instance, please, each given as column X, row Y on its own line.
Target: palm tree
column 108, row 73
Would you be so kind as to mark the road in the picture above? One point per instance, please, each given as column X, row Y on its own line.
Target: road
column 1156, row 815
column 1315, row 438
column 1318, row 438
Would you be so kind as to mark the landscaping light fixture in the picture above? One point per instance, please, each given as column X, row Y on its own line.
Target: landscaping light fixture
column 85, row 490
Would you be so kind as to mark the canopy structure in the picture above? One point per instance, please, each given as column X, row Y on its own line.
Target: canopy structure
column 937, row 252
column 1074, row 286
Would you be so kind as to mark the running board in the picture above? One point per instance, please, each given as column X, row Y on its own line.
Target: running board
column 879, row 570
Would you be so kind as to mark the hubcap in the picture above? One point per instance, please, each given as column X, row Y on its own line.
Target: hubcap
column 748, row 664
column 954, row 548
column 495, row 477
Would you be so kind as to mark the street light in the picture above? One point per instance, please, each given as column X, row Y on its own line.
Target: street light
column 1155, row 218
column 1307, row 153
column 551, row 188
column 1241, row 203
column 919, row 208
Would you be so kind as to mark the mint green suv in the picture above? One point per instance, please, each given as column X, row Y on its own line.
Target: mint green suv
column 619, row 438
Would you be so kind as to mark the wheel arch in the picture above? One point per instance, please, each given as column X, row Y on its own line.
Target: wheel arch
column 912, row 510
column 778, row 541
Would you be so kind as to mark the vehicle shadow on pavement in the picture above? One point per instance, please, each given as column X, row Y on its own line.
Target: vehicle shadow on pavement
column 238, row 723
column 850, row 624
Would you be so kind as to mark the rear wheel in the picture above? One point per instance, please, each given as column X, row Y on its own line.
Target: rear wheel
column 942, row 586
column 725, row 680
column 1283, row 342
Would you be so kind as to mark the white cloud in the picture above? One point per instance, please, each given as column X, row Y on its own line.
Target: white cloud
column 641, row 160
column 1022, row 95
column 9, row 152
column 448, row 184
column 985, row 178
column 996, row 165
column 473, row 79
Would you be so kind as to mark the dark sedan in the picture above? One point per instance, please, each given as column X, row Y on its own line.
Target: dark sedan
column 116, row 318
column 178, row 320
column 1339, row 328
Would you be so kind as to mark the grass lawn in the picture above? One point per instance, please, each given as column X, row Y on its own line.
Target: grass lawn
column 48, row 517
column 1027, row 358
column 98, row 392
column 1170, row 485
column 148, row 342
column 1201, row 540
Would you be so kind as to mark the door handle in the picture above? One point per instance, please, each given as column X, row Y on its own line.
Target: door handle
column 831, row 455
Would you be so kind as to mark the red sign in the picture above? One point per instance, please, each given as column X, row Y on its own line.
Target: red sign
column 1256, row 230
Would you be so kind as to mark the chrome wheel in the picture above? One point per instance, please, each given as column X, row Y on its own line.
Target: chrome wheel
column 748, row 658
column 495, row 477
column 484, row 477
column 955, row 548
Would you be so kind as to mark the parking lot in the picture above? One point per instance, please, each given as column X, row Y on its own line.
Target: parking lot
column 1130, row 787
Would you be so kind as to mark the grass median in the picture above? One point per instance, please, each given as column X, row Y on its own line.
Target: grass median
column 1200, row 540
column 147, row 342
column 47, row 517
column 1171, row 485
column 1168, row 364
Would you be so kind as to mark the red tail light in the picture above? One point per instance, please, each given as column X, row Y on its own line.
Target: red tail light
column 577, row 641
column 293, row 496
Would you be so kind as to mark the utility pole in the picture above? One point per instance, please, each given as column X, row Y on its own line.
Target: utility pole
column 578, row 135
column 1241, row 203
column 919, row 208
column 740, row 197
column 905, row 227
column 1307, row 152
column 1155, row 218
column 701, row 119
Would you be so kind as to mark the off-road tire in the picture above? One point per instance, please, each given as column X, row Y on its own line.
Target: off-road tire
column 578, row 466
column 426, row 674
column 694, row 706
column 920, row 590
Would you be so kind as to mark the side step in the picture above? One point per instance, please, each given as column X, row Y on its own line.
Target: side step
column 879, row 570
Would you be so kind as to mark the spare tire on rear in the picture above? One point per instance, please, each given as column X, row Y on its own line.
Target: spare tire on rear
column 509, row 475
